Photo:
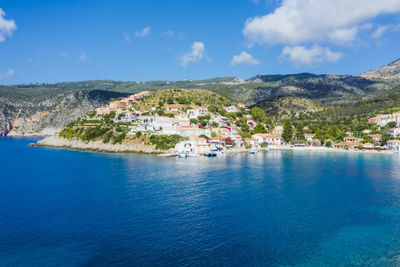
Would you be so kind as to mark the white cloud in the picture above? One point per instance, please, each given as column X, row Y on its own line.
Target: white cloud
column 7, row 74
column 127, row 38
column 83, row 57
column 168, row 33
column 382, row 29
column 196, row 55
column 301, row 55
column 303, row 21
column 6, row 26
column 64, row 54
column 143, row 33
column 244, row 58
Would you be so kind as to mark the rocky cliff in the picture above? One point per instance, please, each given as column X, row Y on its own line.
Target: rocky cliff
column 47, row 115
column 56, row 141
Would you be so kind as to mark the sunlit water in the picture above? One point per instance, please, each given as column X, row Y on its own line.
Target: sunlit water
column 69, row 208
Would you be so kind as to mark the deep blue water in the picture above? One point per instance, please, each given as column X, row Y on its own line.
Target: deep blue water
column 71, row 208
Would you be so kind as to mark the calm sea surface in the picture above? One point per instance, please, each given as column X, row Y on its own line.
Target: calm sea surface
column 70, row 208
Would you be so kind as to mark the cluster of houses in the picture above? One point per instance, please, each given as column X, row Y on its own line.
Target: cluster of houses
column 352, row 142
column 120, row 106
column 220, row 134
column 384, row 119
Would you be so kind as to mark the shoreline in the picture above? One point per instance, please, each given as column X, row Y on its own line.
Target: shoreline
column 95, row 150
column 55, row 141
column 336, row 150
column 99, row 147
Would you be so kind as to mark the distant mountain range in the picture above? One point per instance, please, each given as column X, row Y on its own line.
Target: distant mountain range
column 44, row 108
column 390, row 72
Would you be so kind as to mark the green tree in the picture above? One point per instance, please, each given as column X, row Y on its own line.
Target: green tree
column 320, row 135
column 194, row 121
column 258, row 114
column 170, row 100
column 368, row 139
column 245, row 127
column 328, row 144
column 287, row 134
column 260, row 128
column 300, row 132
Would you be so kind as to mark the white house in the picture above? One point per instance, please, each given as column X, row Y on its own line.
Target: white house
column 270, row 139
column 376, row 137
column 182, row 122
column 394, row 145
column 189, row 130
column 166, row 124
column 129, row 117
column 231, row 109
column 197, row 111
column 173, row 108
column 221, row 120
column 253, row 142
column 189, row 148
column 238, row 140
column 395, row 131
column 278, row 130
column 181, row 116
column 309, row 137
column 203, row 146
column 218, row 140
column 145, row 127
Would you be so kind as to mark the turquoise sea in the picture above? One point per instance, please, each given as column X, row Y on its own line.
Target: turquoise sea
column 72, row 208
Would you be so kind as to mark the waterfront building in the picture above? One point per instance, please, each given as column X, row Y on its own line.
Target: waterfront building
column 394, row 131
column 309, row 137
column 376, row 137
column 393, row 145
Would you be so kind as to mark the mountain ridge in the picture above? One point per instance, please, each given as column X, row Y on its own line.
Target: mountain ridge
column 27, row 108
column 390, row 71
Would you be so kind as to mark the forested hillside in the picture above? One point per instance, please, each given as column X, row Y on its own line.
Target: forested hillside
column 37, row 108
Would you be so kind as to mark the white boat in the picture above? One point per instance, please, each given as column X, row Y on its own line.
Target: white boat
column 192, row 153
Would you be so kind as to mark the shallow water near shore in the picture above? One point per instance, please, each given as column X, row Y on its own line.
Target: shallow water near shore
column 67, row 208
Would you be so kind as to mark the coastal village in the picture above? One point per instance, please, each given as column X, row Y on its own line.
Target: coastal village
column 215, row 136
column 199, row 129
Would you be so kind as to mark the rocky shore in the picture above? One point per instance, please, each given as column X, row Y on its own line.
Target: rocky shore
column 56, row 141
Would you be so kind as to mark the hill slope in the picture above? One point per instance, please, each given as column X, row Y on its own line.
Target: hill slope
column 42, row 115
column 39, row 108
column 390, row 72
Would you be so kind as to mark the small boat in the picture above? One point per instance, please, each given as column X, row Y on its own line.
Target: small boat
column 182, row 155
column 210, row 155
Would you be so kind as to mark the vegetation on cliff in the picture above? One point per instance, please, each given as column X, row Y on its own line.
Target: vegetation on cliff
column 36, row 108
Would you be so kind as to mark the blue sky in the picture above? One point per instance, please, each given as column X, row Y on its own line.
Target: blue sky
column 52, row 41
